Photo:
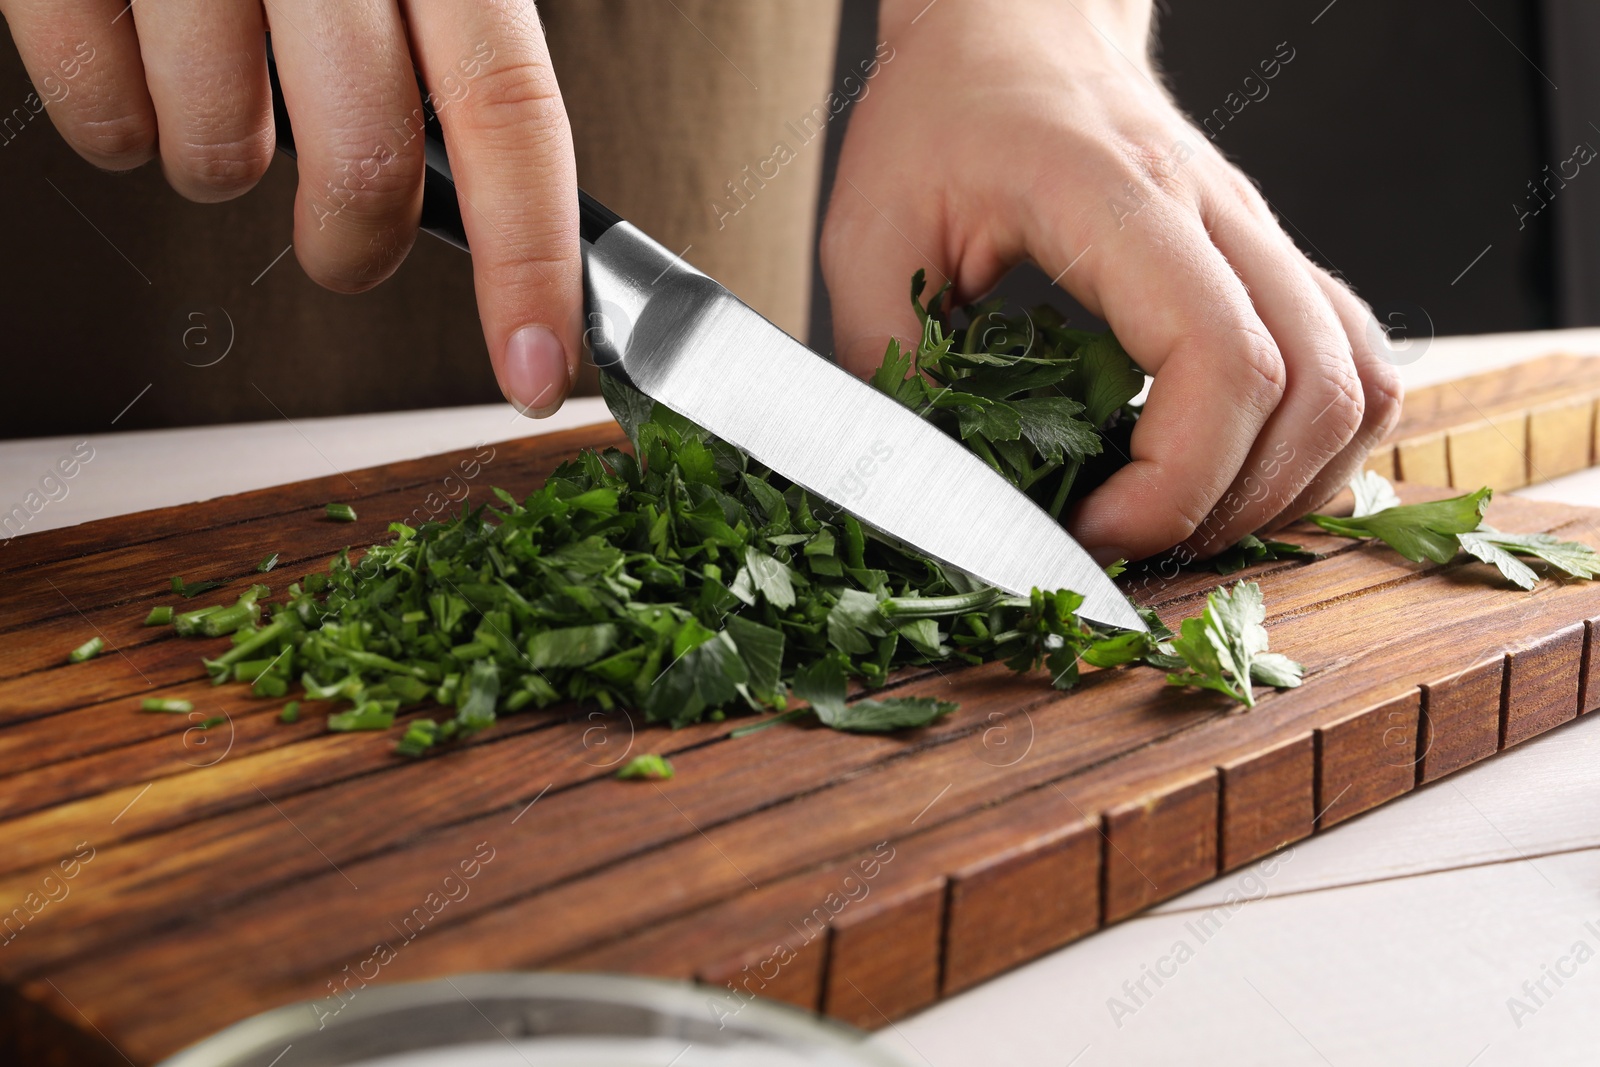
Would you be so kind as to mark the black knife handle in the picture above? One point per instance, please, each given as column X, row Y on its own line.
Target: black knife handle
column 441, row 209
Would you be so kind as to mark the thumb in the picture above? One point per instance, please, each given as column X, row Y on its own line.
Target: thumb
column 868, row 259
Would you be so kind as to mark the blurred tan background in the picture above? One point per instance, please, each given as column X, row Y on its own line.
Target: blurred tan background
column 114, row 282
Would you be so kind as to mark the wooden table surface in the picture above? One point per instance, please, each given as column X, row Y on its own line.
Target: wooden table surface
column 1403, row 936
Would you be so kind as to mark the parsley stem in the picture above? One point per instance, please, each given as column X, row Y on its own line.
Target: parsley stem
column 230, row 619
column 373, row 661
column 188, row 623
column 279, row 627
column 933, row 607
column 756, row 727
column 188, row 590
column 1068, row 476
column 1034, row 474
column 981, row 449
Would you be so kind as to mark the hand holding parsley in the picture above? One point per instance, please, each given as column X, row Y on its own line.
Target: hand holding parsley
column 1267, row 391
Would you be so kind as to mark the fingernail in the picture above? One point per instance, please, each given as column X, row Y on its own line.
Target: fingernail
column 533, row 375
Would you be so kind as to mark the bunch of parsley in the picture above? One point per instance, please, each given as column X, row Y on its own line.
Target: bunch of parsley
column 1034, row 399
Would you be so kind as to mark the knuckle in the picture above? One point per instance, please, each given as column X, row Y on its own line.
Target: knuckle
column 1240, row 188
column 367, row 180
column 1150, row 170
column 1182, row 524
column 518, row 95
column 1383, row 393
column 118, row 142
column 529, row 270
column 851, row 226
column 1265, row 376
column 1343, row 405
column 1182, row 513
column 219, row 170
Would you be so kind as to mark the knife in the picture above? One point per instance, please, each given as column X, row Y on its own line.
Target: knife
column 688, row 343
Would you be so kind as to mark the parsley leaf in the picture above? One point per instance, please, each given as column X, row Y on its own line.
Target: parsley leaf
column 1575, row 559
column 628, row 406
column 1225, row 648
column 1515, row 571
column 1437, row 530
column 823, row 686
column 1572, row 558
column 1052, row 424
column 896, row 713
column 1373, row 494
column 1106, row 378
column 571, row 646
column 1276, row 670
column 1416, row 531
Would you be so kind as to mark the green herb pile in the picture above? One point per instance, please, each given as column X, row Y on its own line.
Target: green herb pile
column 688, row 582
column 692, row 584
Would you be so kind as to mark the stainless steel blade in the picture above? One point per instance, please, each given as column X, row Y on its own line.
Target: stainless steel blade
column 686, row 342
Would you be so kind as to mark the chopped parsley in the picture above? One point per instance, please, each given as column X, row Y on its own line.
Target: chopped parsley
column 170, row 705
column 649, row 766
column 688, row 582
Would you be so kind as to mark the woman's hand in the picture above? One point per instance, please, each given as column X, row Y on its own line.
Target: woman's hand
column 1003, row 130
column 187, row 79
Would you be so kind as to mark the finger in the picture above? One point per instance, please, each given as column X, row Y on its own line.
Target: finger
column 1380, row 388
column 206, row 70
column 347, row 81
column 1322, row 401
column 1184, row 316
column 83, row 59
column 868, row 259
column 511, row 152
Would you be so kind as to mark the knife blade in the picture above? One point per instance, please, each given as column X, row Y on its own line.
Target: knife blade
column 686, row 342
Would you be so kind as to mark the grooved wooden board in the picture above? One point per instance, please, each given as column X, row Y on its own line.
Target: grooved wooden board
column 158, row 882
column 1504, row 428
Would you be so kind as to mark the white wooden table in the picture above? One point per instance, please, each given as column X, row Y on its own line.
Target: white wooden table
column 1458, row 925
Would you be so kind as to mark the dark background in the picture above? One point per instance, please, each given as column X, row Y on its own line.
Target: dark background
column 1396, row 147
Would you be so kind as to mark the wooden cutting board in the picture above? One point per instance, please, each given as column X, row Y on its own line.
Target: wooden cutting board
column 1503, row 428
column 159, row 881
